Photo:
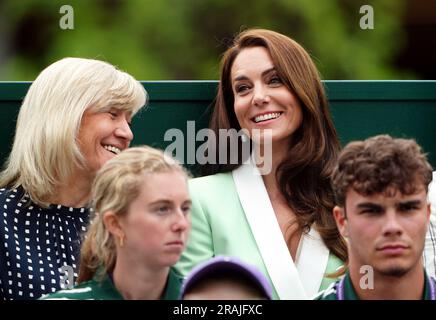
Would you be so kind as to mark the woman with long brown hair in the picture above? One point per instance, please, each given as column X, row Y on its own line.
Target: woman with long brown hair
column 277, row 216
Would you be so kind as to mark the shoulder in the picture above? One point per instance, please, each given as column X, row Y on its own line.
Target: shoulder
column 84, row 291
column 174, row 277
column 217, row 189
column 214, row 192
column 334, row 264
column 212, row 181
column 174, row 284
column 13, row 202
column 11, row 195
column 327, row 294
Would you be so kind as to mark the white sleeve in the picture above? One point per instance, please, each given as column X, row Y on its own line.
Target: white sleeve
column 430, row 239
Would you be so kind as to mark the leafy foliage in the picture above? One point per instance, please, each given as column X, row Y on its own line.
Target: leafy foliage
column 183, row 39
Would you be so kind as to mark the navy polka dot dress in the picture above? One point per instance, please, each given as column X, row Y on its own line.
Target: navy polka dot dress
column 35, row 243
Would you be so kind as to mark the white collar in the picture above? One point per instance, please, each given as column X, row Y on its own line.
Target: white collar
column 290, row 281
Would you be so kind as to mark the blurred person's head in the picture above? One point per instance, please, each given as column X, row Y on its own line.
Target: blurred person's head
column 382, row 209
column 141, row 204
column 225, row 278
column 75, row 117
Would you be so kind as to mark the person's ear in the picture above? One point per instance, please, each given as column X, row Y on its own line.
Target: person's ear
column 341, row 220
column 113, row 225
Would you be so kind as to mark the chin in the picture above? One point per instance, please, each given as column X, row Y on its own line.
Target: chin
column 395, row 270
column 170, row 260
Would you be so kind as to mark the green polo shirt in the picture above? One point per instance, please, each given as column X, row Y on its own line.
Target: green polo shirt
column 104, row 289
column 350, row 293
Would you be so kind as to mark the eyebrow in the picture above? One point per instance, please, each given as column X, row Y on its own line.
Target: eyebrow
column 166, row 201
column 366, row 205
column 410, row 203
column 242, row 77
column 160, row 201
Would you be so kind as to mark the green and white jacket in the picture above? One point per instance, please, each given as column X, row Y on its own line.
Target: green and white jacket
column 232, row 215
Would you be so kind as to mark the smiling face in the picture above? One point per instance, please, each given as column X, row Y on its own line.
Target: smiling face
column 262, row 101
column 102, row 135
column 385, row 232
column 157, row 224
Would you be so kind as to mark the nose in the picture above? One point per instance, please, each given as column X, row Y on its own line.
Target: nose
column 392, row 225
column 182, row 222
column 123, row 131
column 260, row 95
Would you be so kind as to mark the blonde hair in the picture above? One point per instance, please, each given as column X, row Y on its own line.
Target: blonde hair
column 45, row 151
column 116, row 185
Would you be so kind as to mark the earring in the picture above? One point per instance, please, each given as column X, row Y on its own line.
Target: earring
column 122, row 241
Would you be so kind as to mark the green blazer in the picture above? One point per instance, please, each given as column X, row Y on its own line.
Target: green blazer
column 220, row 227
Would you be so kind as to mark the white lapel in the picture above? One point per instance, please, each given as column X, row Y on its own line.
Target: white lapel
column 312, row 261
column 290, row 281
column 266, row 231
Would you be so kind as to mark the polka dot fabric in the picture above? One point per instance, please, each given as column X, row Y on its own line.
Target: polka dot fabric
column 35, row 243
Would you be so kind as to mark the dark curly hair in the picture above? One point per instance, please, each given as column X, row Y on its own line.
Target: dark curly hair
column 376, row 164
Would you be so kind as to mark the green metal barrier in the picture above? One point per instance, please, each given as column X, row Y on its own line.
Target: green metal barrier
column 360, row 109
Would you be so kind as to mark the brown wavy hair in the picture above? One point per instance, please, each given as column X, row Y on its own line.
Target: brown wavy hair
column 304, row 175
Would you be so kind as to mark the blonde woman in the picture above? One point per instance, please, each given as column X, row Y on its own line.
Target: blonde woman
column 75, row 117
column 139, row 231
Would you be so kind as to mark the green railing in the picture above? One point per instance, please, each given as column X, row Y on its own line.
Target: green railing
column 360, row 109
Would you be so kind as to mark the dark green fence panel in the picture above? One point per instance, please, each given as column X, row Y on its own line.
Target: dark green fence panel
column 360, row 109
column 404, row 109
